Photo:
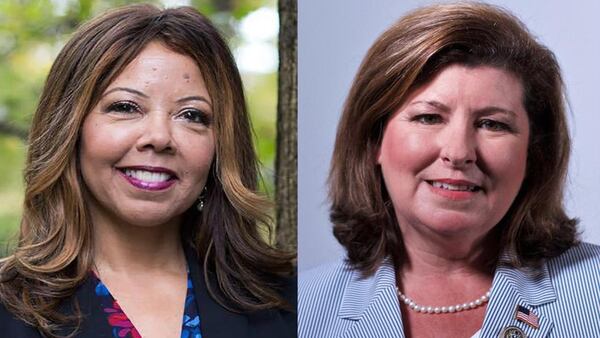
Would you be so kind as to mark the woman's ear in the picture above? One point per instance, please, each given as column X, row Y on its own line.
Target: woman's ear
column 377, row 146
column 378, row 154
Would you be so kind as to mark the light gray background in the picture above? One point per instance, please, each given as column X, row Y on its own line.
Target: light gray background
column 334, row 35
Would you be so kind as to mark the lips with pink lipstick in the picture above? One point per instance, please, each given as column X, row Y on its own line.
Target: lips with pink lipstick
column 148, row 178
column 454, row 189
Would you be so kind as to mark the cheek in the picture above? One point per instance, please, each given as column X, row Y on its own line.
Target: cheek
column 199, row 159
column 506, row 163
column 100, row 144
column 406, row 150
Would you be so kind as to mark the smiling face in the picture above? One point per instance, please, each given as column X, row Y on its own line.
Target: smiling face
column 147, row 146
column 454, row 155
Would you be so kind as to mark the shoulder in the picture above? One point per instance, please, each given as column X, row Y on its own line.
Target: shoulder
column 220, row 318
column 320, row 295
column 334, row 273
column 575, row 278
column 288, row 289
column 579, row 263
column 273, row 322
column 11, row 326
column 324, row 283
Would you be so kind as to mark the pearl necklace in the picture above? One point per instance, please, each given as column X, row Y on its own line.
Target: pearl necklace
column 444, row 309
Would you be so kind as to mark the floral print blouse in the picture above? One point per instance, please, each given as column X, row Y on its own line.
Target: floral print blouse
column 121, row 326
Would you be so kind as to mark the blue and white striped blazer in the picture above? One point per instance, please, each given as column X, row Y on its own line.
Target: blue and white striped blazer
column 333, row 301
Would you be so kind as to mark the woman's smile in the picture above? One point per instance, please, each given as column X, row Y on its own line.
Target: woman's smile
column 148, row 178
column 454, row 189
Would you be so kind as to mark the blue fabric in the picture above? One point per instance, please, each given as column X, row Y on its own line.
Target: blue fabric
column 564, row 293
column 122, row 327
column 191, row 317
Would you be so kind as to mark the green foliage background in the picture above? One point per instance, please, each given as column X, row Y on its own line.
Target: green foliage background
column 31, row 35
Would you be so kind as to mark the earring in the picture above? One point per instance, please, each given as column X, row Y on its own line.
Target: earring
column 200, row 204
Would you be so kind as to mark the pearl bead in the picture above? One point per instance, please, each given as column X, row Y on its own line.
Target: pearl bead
column 443, row 309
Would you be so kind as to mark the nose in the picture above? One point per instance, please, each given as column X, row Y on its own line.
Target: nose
column 156, row 135
column 458, row 145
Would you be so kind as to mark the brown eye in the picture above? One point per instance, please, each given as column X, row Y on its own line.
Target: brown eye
column 196, row 116
column 125, row 107
column 493, row 125
column 427, row 119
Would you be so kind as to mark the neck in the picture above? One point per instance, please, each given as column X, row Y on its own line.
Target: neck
column 427, row 254
column 122, row 247
column 458, row 267
column 423, row 259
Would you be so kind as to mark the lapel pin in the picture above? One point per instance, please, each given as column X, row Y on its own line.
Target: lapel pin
column 527, row 316
column 512, row 332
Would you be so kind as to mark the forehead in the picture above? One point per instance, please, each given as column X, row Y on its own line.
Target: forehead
column 489, row 81
column 156, row 61
column 475, row 86
column 159, row 68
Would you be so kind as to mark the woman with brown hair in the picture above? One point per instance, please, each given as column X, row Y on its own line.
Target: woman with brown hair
column 141, row 215
column 446, row 190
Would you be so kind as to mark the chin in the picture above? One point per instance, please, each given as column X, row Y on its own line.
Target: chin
column 148, row 217
column 453, row 223
column 150, row 222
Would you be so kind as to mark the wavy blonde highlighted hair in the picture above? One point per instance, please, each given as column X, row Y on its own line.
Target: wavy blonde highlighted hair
column 54, row 253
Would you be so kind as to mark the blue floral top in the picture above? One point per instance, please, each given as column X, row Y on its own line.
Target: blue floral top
column 122, row 327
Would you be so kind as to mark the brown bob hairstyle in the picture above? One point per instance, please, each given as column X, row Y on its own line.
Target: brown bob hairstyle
column 54, row 253
column 407, row 56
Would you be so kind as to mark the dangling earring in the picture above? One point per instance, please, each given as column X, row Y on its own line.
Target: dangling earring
column 200, row 204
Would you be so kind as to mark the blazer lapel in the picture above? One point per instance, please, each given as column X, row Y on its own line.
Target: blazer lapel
column 94, row 323
column 215, row 320
column 370, row 305
column 512, row 288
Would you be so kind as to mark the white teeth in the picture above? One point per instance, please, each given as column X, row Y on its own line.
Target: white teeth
column 453, row 187
column 147, row 176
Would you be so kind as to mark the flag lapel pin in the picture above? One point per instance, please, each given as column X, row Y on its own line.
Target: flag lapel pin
column 527, row 316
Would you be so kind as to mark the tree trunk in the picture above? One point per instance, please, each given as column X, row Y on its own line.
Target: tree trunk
column 10, row 130
column 286, row 162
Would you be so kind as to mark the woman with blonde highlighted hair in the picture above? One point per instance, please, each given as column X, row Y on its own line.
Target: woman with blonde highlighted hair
column 141, row 215
column 446, row 190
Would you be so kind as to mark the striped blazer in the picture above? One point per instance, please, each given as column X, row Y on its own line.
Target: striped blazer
column 564, row 293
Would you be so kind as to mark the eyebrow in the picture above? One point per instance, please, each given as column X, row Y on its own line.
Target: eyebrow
column 138, row 93
column 483, row 111
column 433, row 103
column 194, row 98
column 125, row 89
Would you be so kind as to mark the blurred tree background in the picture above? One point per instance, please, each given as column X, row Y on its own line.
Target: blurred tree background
column 32, row 32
